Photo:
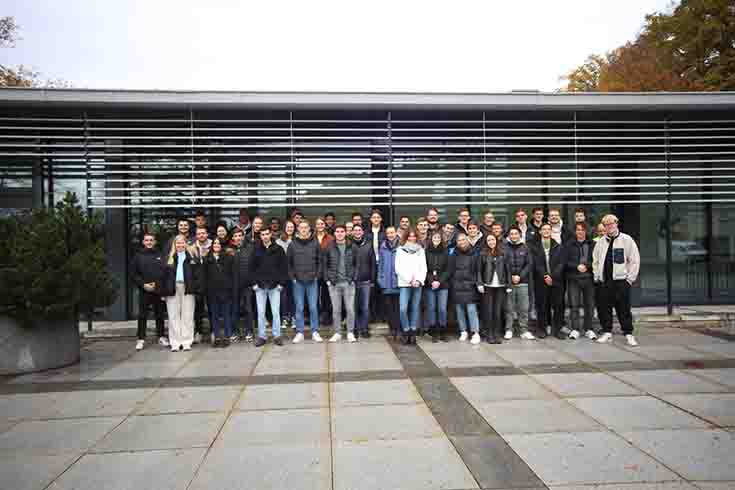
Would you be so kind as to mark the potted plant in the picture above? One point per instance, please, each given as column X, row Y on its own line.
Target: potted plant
column 52, row 268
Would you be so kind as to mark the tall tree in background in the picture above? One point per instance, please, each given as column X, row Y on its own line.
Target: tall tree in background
column 690, row 49
column 19, row 76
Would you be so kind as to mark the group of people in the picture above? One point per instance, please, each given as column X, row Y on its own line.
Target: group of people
column 407, row 274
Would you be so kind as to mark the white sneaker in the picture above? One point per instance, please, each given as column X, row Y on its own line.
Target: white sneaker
column 316, row 337
column 234, row 338
column 574, row 334
column 187, row 347
column 336, row 337
column 527, row 336
column 463, row 337
column 139, row 344
column 163, row 341
column 475, row 339
column 211, row 338
column 631, row 340
column 590, row 334
column 197, row 338
column 605, row 338
column 249, row 337
column 299, row 337
column 351, row 337
column 508, row 334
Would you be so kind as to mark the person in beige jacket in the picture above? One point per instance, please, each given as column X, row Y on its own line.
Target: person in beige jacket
column 615, row 263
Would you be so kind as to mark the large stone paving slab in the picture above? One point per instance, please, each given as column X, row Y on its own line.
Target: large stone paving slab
column 586, row 458
column 191, row 399
column 722, row 376
column 525, row 357
column 277, row 467
column 289, row 396
column 150, row 432
column 531, row 416
column 671, row 353
column 466, row 356
column 584, row 384
column 413, row 464
column 95, row 403
column 57, row 436
column 672, row 485
column 140, row 370
column 366, row 423
column 716, row 408
column 365, row 362
column 379, row 392
column 721, row 349
column 695, row 454
column 594, row 353
column 628, row 413
column 230, row 368
column 32, row 472
column 145, row 470
column 292, row 365
column 276, row 427
column 27, row 406
column 480, row 389
column 667, row 381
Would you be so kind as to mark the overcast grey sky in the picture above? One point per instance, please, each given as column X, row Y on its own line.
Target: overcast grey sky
column 399, row 45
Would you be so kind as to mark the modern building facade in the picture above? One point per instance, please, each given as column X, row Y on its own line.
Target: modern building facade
column 663, row 162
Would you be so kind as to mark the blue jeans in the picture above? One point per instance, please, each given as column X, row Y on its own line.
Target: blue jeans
column 436, row 299
column 217, row 310
column 412, row 297
column 362, row 295
column 310, row 289
column 471, row 317
column 262, row 296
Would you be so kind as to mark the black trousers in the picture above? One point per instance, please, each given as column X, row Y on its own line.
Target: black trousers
column 492, row 314
column 146, row 300
column 245, row 309
column 392, row 309
column 549, row 305
column 615, row 294
column 200, row 311
column 581, row 293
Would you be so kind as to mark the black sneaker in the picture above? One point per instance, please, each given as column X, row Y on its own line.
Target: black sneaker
column 278, row 341
column 226, row 342
column 260, row 342
column 366, row 334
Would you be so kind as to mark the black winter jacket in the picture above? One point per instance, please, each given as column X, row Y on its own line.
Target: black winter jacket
column 488, row 265
column 304, row 259
column 573, row 256
column 437, row 266
column 556, row 263
column 331, row 262
column 243, row 264
column 519, row 259
column 192, row 276
column 364, row 261
column 219, row 277
column 146, row 267
column 269, row 266
column 463, row 276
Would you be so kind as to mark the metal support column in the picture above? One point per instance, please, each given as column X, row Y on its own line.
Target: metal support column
column 669, row 273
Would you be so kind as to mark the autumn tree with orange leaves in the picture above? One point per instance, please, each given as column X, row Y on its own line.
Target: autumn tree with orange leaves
column 690, row 49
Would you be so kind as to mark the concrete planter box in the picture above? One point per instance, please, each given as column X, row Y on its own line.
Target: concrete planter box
column 47, row 345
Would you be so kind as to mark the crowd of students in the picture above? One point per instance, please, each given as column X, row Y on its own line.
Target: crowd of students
column 346, row 274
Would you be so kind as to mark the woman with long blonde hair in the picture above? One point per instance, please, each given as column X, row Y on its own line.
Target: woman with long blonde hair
column 180, row 284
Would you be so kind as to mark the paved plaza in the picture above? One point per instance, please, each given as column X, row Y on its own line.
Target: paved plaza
column 377, row 415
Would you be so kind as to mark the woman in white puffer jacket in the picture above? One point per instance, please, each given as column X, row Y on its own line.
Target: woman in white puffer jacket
column 411, row 272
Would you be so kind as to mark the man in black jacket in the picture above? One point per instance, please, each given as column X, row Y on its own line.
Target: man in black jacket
column 270, row 272
column 364, row 279
column 520, row 265
column 305, row 269
column 549, row 280
column 146, row 272
column 244, row 252
column 339, row 274
column 580, row 280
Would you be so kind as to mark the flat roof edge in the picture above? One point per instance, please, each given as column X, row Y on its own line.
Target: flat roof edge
column 510, row 100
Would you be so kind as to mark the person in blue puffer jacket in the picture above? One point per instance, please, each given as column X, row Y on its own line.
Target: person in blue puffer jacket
column 388, row 280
